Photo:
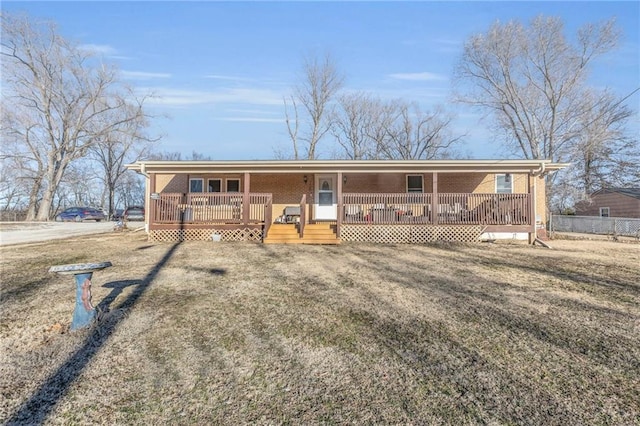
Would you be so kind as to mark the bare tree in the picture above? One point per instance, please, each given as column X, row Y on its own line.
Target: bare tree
column 368, row 128
column 319, row 84
column 177, row 156
column 417, row 135
column 17, row 156
column 532, row 79
column 82, row 185
column 605, row 154
column 59, row 97
column 12, row 186
column 118, row 146
column 130, row 190
column 293, row 124
column 353, row 122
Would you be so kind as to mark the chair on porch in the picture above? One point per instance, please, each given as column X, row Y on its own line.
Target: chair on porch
column 352, row 213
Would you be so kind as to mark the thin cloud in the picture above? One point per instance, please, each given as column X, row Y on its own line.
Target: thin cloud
column 179, row 98
column 448, row 45
column 102, row 49
column 227, row 77
column 448, row 41
column 251, row 119
column 249, row 111
column 418, row 76
column 142, row 75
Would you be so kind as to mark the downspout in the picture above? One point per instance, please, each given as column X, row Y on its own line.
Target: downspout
column 143, row 170
column 147, row 196
column 540, row 172
column 534, row 208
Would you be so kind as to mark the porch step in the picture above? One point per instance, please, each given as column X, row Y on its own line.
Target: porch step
column 280, row 233
column 320, row 233
column 313, row 234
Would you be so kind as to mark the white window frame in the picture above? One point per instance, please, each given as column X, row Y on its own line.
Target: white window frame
column 508, row 179
column 603, row 209
column 414, row 190
column 194, row 180
column 212, row 179
column 226, row 186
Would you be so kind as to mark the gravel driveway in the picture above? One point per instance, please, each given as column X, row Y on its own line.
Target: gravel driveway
column 31, row 232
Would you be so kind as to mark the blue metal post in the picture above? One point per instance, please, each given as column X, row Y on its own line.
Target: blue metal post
column 84, row 313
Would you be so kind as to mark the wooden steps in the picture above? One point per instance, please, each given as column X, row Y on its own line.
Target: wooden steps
column 314, row 233
column 281, row 233
column 320, row 233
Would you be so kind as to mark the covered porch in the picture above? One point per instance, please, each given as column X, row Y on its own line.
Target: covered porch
column 353, row 198
column 224, row 212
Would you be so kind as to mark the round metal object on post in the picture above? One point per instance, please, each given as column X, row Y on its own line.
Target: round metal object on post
column 84, row 312
column 79, row 268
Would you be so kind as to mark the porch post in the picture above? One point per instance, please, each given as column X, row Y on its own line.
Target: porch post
column 340, row 209
column 434, row 200
column 246, row 208
column 151, row 208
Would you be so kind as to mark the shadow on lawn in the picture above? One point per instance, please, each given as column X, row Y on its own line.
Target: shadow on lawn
column 484, row 301
column 36, row 409
column 117, row 288
column 24, row 292
column 210, row 271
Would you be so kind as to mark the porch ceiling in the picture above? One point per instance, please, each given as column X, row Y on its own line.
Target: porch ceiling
column 348, row 166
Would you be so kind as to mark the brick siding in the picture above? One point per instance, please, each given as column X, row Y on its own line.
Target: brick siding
column 620, row 205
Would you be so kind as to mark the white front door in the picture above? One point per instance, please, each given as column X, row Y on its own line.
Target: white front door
column 325, row 205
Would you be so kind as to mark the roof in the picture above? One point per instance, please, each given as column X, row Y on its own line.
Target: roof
column 348, row 166
column 629, row 192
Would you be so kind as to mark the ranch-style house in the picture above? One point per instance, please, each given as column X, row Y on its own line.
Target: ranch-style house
column 333, row 201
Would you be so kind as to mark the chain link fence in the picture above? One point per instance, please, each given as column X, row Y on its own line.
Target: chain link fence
column 596, row 225
column 12, row 215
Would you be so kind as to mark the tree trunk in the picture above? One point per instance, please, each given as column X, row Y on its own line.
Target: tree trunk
column 45, row 205
column 112, row 196
column 33, row 200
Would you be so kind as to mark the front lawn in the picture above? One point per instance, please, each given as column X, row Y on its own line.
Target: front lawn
column 242, row 333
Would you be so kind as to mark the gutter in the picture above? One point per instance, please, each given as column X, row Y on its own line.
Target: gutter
column 541, row 171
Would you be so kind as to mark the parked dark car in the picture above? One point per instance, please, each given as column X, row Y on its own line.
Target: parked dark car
column 78, row 214
column 134, row 213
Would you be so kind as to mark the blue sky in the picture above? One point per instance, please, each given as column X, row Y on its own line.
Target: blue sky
column 221, row 69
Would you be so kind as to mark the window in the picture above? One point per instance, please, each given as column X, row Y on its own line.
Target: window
column 233, row 185
column 414, row 183
column 604, row 211
column 196, row 185
column 215, row 185
column 504, row 184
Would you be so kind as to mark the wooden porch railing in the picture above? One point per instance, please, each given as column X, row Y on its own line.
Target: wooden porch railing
column 452, row 208
column 488, row 209
column 383, row 208
column 208, row 207
column 303, row 216
column 268, row 217
column 167, row 208
column 386, row 208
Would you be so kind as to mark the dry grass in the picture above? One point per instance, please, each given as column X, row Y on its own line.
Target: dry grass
column 232, row 333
